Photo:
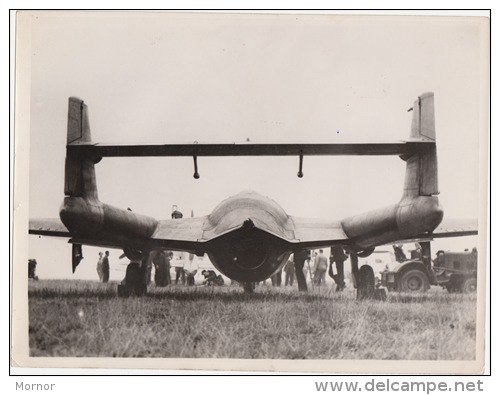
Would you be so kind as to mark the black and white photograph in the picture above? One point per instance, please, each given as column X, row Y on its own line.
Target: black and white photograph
column 251, row 191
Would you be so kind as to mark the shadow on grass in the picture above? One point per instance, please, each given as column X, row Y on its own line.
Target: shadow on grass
column 233, row 295
column 226, row 294
column 427, row 297
column 77, row 290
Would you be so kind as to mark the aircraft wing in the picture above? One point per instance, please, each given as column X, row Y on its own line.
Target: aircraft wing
column 447, row 228
column 316, row 233
column 455, row 227
column 48, row 227
column 183, row 234
column 189, row 234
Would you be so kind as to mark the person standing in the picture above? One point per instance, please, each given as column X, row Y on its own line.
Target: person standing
column 147, row 267
column 191, row 268
column 289, row 271
column 105, row 267
column 169, row 255
column 161, row 269
column 99, row 266
column 308, row 272
column 180, row 273
column 276, row 278
column 338, row 256
column 298, row 261
column 320, row 267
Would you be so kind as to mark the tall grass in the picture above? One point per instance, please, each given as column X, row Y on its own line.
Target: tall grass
column 78, row 318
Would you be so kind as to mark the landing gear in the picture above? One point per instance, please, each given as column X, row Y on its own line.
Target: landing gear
column 248, row 287
column 364, row 278
column 366, row 283
column 135, row 283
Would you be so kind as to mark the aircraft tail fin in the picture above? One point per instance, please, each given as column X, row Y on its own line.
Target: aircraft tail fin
column 80, row 178
column 423, row 123
column 421, row 167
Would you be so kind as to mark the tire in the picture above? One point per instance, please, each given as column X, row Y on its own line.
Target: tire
column 140, row 290
column 123, row 291
column 133, row 274
column 414, row 281
column 469, row 286
column 248, row 287
column 451, row 288
column 366, row 283
column 134, row 281
column 366, row 253
column 455, row 284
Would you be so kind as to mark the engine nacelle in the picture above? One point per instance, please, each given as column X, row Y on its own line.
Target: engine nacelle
column 89, row 218
column 411, row 217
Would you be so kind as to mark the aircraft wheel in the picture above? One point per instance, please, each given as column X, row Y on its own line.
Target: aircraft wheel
column 134, row 281
column 414, row 281
column 248, row 287
column 469, row 286
column 366, row 253
column 366, row 283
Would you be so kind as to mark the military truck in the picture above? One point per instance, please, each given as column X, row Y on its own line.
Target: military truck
column 455, row 271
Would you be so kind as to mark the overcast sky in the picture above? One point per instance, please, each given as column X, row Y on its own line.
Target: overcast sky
column 180, row 78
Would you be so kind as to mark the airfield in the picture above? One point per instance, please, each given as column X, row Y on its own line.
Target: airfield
column 79, row 318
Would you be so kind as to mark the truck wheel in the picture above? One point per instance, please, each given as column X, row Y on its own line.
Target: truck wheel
column 414, row 281
column 452, row 288
column 469, row 286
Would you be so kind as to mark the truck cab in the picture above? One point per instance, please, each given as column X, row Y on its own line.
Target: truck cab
column 457, row 271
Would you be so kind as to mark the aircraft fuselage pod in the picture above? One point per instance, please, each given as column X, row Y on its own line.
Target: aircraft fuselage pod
column 249, row 237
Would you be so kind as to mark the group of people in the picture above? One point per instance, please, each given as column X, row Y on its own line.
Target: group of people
column 162, row 262
column 212, row 278
column 294, row 269
column 298, row 267
column 184, row 271
column 103, row 267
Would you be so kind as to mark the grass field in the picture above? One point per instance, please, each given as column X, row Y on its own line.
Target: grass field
column 87, row 319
